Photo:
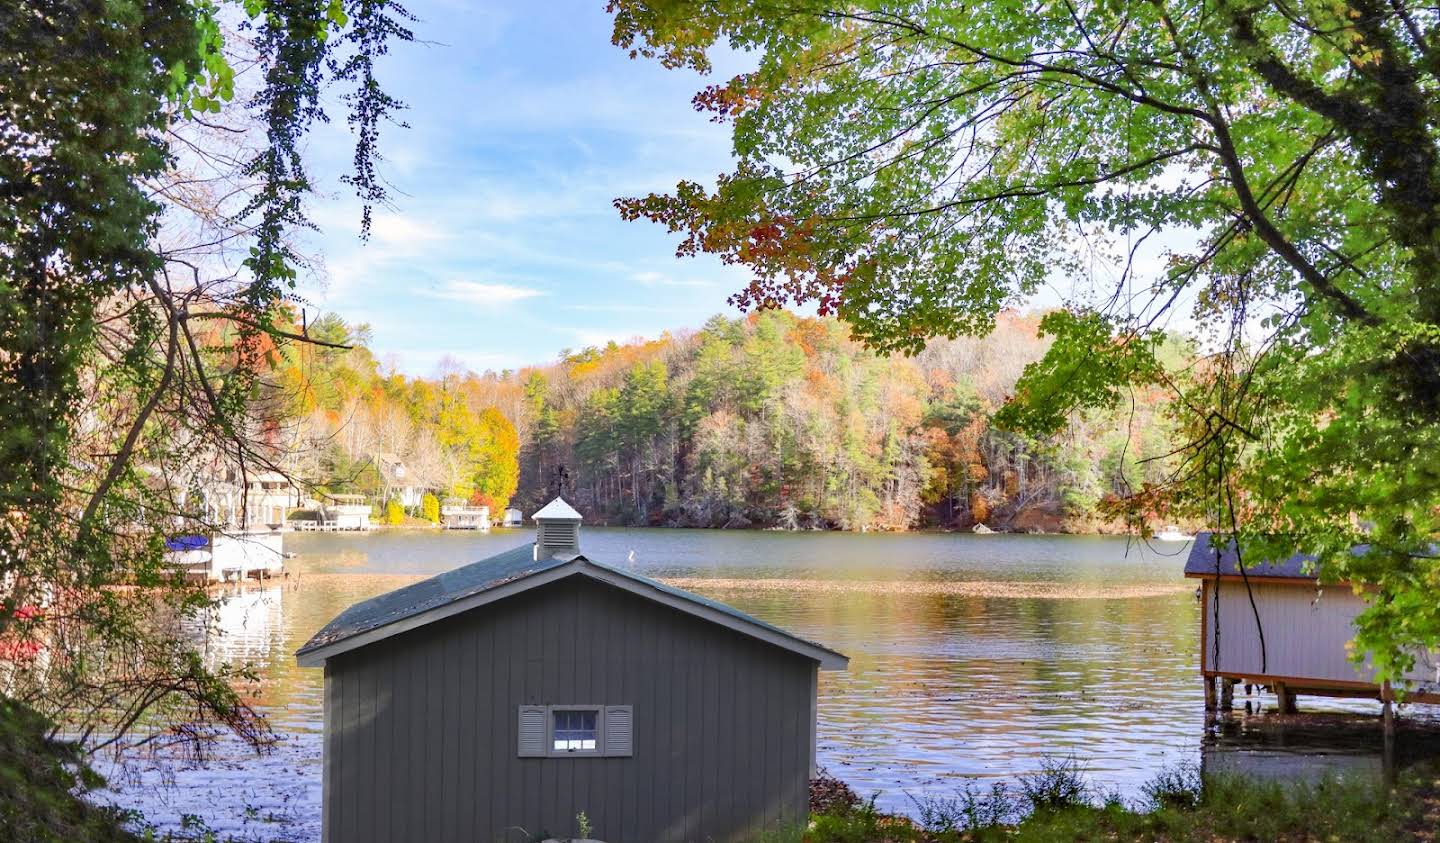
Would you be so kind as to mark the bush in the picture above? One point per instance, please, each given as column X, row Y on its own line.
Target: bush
column 1060, row 784
column 394, row 513
column 970, row 808
column 41, row 786
column 430, row 508
column 1057, row 805
column 1180, row 786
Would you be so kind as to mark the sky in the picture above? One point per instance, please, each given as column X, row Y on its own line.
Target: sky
column 503, row 247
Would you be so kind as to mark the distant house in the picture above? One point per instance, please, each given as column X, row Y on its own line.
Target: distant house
column 399, row 482
column 241, row 517
column 237, row 501
column 524, row 689
column 269, row 497
column 513, row 518
column 1306, row 628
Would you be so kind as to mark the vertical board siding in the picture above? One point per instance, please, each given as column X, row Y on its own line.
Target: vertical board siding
column 422, row 729
column 355, row 768
column 415, row 667
column 619, row 800
column 435, row 737
column 531, row 648
column 331, row 800
column 468, row 745
column 383, row 715
column 1306, row 631
column 365, row 723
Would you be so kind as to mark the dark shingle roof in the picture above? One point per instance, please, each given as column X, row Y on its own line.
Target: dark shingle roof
column 432, row 593
column 478, row 577
column 1202, row 563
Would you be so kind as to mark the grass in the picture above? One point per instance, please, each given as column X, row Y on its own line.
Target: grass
column 1060, row 804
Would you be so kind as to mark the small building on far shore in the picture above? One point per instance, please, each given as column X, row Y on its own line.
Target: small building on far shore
column 1299, row 645
column 347, row 512
column 226, row 557
column 457, row 515
column 522, row 690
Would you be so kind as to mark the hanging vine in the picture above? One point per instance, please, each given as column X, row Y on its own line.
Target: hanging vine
column 128, row 354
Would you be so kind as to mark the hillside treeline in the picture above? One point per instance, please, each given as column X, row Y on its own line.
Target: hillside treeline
column 780, row 420
column 354, row 428
column 771, row 419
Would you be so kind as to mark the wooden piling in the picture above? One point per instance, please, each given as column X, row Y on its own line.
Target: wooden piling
column 1227, row 694
column 1285, row 699
column 1387, row 702
column 1209, row 692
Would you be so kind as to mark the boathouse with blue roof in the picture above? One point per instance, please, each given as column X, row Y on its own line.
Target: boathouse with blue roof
column 500, row 700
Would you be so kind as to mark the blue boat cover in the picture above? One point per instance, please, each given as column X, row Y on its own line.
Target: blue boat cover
column 187, row 542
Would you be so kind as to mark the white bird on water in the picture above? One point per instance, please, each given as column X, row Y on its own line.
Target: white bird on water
column 631, row 557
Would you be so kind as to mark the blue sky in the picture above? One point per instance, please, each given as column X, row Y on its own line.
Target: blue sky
column 503, row 247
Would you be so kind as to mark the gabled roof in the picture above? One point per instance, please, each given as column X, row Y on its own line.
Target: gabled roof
column 429, row 594
column 1201, row 563
column 515, row 571
column 558, row 509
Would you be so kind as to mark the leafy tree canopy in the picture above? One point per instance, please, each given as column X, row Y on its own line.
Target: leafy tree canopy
column 916, row 166
column 130, row 354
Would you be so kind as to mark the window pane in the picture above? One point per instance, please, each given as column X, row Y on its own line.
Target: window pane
column 576, row 730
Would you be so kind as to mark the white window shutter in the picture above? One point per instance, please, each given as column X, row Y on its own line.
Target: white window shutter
column 619, row 730
column 532, row 731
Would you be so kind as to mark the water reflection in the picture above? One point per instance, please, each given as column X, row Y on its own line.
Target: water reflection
column 1313, row 746
column 944, row 683
column 246, row 626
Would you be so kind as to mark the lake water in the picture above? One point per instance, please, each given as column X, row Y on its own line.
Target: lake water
column 972, row 657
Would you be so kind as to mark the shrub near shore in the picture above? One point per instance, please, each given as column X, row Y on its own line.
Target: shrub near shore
column 1059, row 804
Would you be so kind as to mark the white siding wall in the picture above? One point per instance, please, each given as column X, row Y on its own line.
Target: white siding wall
column 1306, row 631
column 247, row 552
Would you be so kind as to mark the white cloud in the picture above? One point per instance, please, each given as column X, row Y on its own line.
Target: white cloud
column 660, row 279
column 627, row 308
column 401, row 229
column 427, row 362
column 474, row 292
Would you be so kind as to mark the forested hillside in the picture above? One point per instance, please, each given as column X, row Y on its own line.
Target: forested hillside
column 353, row 424
column 770, row 419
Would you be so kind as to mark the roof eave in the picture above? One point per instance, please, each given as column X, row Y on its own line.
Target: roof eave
column 1265, row 578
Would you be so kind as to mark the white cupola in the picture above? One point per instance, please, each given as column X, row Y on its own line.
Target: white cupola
column 557, row 530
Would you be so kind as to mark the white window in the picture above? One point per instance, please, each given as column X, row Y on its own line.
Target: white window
column 568, row 731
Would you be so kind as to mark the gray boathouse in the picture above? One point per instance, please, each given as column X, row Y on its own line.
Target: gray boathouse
column 500, row 700
column 1275, row 625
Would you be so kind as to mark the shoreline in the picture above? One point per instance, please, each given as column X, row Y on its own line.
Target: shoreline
column 919, row 531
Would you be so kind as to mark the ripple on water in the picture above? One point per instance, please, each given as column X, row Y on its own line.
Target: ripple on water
column 971, row 657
